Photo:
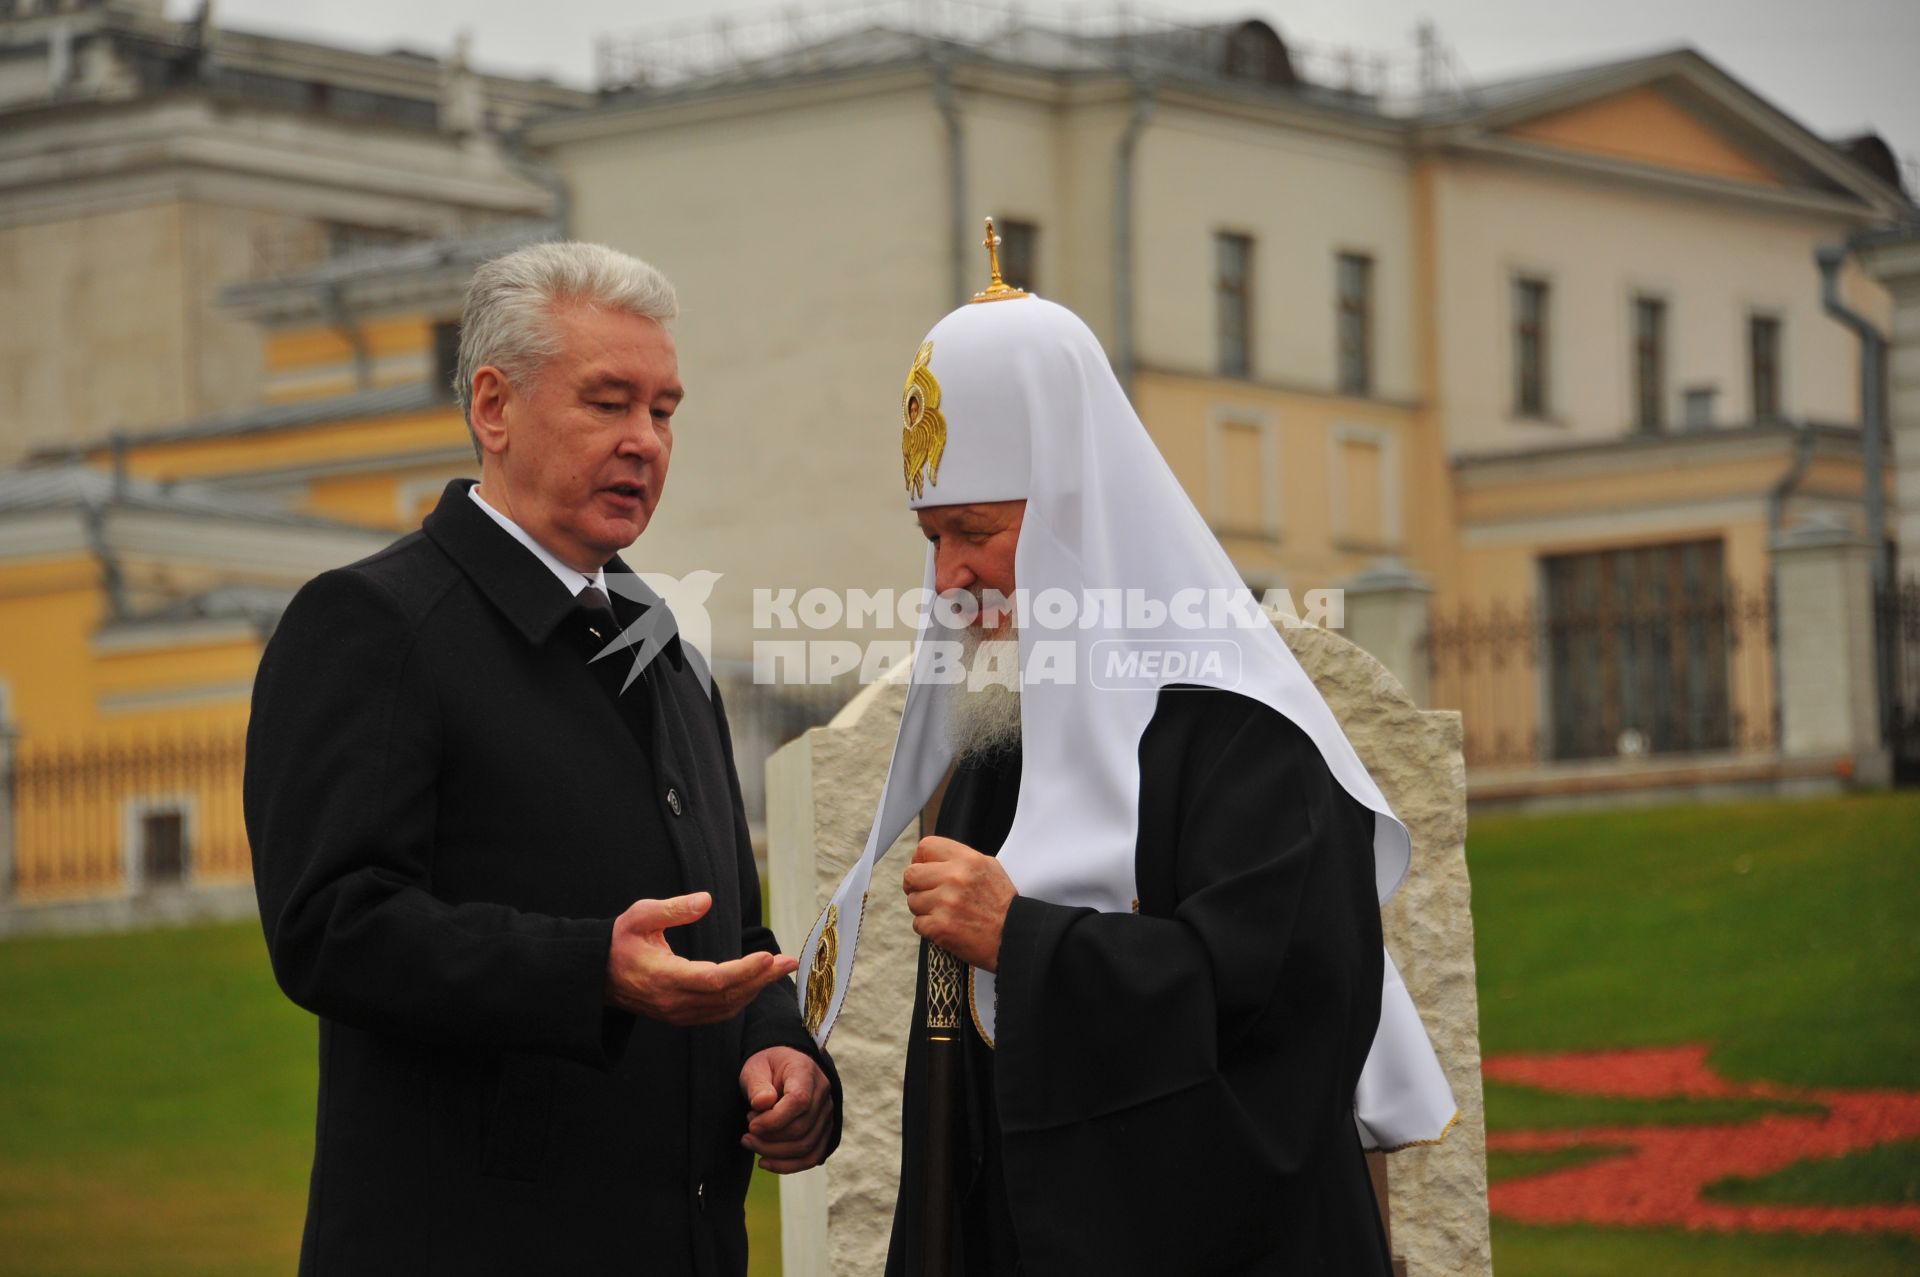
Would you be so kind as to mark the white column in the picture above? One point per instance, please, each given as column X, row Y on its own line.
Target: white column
column 1824, row 593
column 1386, row 615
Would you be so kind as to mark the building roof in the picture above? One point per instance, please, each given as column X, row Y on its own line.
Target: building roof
column 259, row 605
column 135, row 50
column 75, row 486
column 1842, row 165
column 379, row 401
column 387, row 275
column 653, row 66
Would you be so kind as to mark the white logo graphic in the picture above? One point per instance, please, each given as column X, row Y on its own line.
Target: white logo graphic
column 671, row 607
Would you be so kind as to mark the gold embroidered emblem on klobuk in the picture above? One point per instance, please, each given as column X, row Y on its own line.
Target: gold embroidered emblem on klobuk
column 924, row 438
column 820, row 974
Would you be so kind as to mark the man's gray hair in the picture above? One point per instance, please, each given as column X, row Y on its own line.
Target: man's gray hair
column 508, row 319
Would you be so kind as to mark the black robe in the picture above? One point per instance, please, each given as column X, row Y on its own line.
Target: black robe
column 1172, row 1093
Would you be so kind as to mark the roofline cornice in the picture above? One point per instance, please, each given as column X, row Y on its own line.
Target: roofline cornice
column 1633, row 451
column 1675, row 181
column 1872, row 197
column 971, row 71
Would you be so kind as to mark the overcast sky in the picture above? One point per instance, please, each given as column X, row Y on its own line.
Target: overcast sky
column 1839, row 66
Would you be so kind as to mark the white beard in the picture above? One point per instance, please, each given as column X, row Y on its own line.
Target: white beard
column 983, row 712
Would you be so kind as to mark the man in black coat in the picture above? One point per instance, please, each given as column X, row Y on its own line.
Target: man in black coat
column 519, row 895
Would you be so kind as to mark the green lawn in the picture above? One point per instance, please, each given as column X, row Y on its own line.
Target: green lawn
column 1787, row 935
column 156, row 1116
column 156, row 1112
column 1887, row 1173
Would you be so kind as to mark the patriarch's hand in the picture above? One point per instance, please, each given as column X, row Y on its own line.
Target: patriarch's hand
column 959, row 900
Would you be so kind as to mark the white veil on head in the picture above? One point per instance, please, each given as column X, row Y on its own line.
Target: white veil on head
column 1122, row 589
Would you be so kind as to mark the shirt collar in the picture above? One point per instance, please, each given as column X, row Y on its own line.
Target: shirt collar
column 574, row 580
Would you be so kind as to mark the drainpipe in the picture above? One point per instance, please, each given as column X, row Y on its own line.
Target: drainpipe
column 1873, row 417
column 110, row 575
column 94, row 514
column 949, row 107
column 1123, row 229
column 1789, row 480
column 520, row 157
column 342, row 321
column 1776, row 517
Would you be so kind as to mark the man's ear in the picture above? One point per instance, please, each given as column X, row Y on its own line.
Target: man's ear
column 492, row 394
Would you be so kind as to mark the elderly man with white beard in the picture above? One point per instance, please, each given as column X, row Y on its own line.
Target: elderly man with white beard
column 1156, row 1028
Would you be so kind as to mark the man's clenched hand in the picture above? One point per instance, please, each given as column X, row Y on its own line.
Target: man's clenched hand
column 792, row 1109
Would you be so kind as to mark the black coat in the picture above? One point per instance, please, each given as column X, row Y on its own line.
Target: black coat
column 447, row 810
column 1172, row 1093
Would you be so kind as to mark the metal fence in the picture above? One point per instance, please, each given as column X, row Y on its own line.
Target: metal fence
column 134, row 814
column 762, row 717
column 1896, row 611
column 164, row 809
column 1587, row 674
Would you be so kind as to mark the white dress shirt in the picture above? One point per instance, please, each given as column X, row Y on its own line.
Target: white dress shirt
column 574, row 580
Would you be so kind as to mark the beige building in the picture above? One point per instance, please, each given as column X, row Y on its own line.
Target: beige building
column 1541, row 374
column 1556, row 345
column 147, row 164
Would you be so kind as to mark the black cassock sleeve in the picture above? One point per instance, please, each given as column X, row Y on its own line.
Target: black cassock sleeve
column 1175, row 1088
column 342, row 755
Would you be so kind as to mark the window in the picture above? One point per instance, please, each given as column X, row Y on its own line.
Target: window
column 1637, row 650
column 163, row 847
column 1242, row 473
column 1243, row 487
column 1763, row 361
column 1364, row 488
column 1356, row 324
column 1530, row 389
column 1233, row 302
column 1697, row 407
column 446, row 355
column 1019, row 250
column 1649, row 363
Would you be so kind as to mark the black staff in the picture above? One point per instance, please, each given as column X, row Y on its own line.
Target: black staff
column 946, row 984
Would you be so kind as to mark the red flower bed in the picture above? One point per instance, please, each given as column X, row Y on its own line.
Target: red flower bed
column 1658, row 1181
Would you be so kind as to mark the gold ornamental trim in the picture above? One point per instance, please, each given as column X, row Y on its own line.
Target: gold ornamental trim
column 1444, row 1132
column 944, row 989
column 999, row 290
column 974, row 1011
column 820, row 974
column 923, row 441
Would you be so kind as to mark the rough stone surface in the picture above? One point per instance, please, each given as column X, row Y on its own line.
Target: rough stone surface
column 1439, row 1194
column 849, row 763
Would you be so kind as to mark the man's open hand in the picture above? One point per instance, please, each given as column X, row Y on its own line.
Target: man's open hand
column 959, row 900
column 792, row 1109
column 645, row 976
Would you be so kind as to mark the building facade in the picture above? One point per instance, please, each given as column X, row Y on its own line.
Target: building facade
column 1543, row 372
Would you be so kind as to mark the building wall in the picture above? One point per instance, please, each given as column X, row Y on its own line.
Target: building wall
column 808, row 241
column 94, row 337
column 1303, row 490
column 1304, row 198
column 314, row 362
column 1597, row 243
column 48, row 605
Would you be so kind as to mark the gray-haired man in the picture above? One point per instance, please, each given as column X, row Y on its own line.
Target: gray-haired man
column 519, row 896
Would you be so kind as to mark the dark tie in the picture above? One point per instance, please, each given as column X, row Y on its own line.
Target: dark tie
column 597, row 609
column 596, row 616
